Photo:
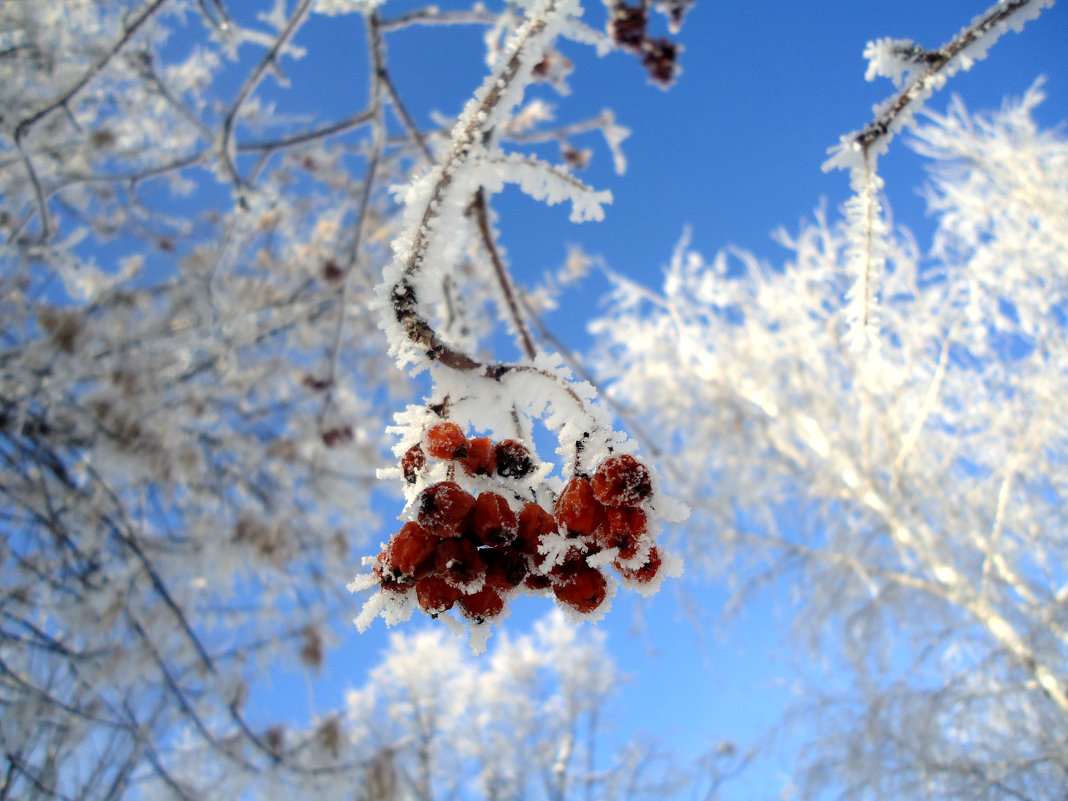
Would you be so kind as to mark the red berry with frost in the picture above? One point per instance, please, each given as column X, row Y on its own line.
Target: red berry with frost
column 435, row 595
column 577, row 510
column 646, row 572
column 412, row 463
column 622, row 481
column 534, row 525
column 446, row 441
column 537, row 582
column 481, row 458
column 411, row 551
column 506, row 568
column 483, row 605
column 513, row 459
column 444, row 508
column 584, row 590
column 622, row 528
column 458, row 562
column 492, row 521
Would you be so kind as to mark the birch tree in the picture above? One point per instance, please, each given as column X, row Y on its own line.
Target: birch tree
column 911, row 496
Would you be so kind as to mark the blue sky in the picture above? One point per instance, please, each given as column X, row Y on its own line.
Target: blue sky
column 733, row 151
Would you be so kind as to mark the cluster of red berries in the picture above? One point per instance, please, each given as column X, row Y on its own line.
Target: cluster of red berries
column 477, row 552
column 627, row 26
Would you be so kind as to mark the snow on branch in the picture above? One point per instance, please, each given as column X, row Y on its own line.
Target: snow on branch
column 485, row 518
column 919, row 73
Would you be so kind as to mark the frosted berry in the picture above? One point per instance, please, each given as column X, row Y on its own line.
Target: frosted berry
column 435, row 595
column 458, row 562
column 412, row 463
column 481, row 458
column 622, row 481
column 513, row 459
column 584, row 590
column 411, row 551
column 482, row 605
column 622, row 528
column 446, row 441
column 506, row 568
column 534, row 524
column 444, row 508
column 577, row 510
column 492, row 521
column 644, row 574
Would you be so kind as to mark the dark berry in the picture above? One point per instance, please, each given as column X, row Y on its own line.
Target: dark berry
column 436, row 595
column 482, row 605
column 506, row 568
column 513, row 459
column 481, row 458
column 492, row 521
column 621, row 528
column 534, row 524
column 412, row 463
column 644, row 574
column 411, row 551
column 444, row 508
column 446, row 441
column 622, row 481
column 627, row 25
column 584, row 590
column 658, row 57
column 577, row 510
column 458, row 562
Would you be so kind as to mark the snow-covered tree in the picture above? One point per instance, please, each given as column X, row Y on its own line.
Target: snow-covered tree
column 204, row 301
column 195, row 382
column 914, row 496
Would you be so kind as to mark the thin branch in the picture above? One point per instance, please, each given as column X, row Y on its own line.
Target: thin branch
column 478, row 205
column 253, row 80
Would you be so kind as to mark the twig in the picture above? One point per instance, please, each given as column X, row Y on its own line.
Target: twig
column 250, row 85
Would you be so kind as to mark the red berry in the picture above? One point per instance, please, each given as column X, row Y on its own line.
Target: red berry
column 481, row 459
column 458, row 562
column 482, row 605
column 444, row 508
column 621, row 528
column 446, row 441
column 411, row 551
column 413, row 461
column 537, row 582
column 534, row 524
column 646, row 572
column 577, row 511
column 436, row 595
column 506, row 568
column 584, row 590
column 493, row 522
column 622, row 481
column 513, row 459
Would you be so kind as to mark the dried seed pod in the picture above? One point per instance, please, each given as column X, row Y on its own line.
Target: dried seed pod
column 412, row 463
